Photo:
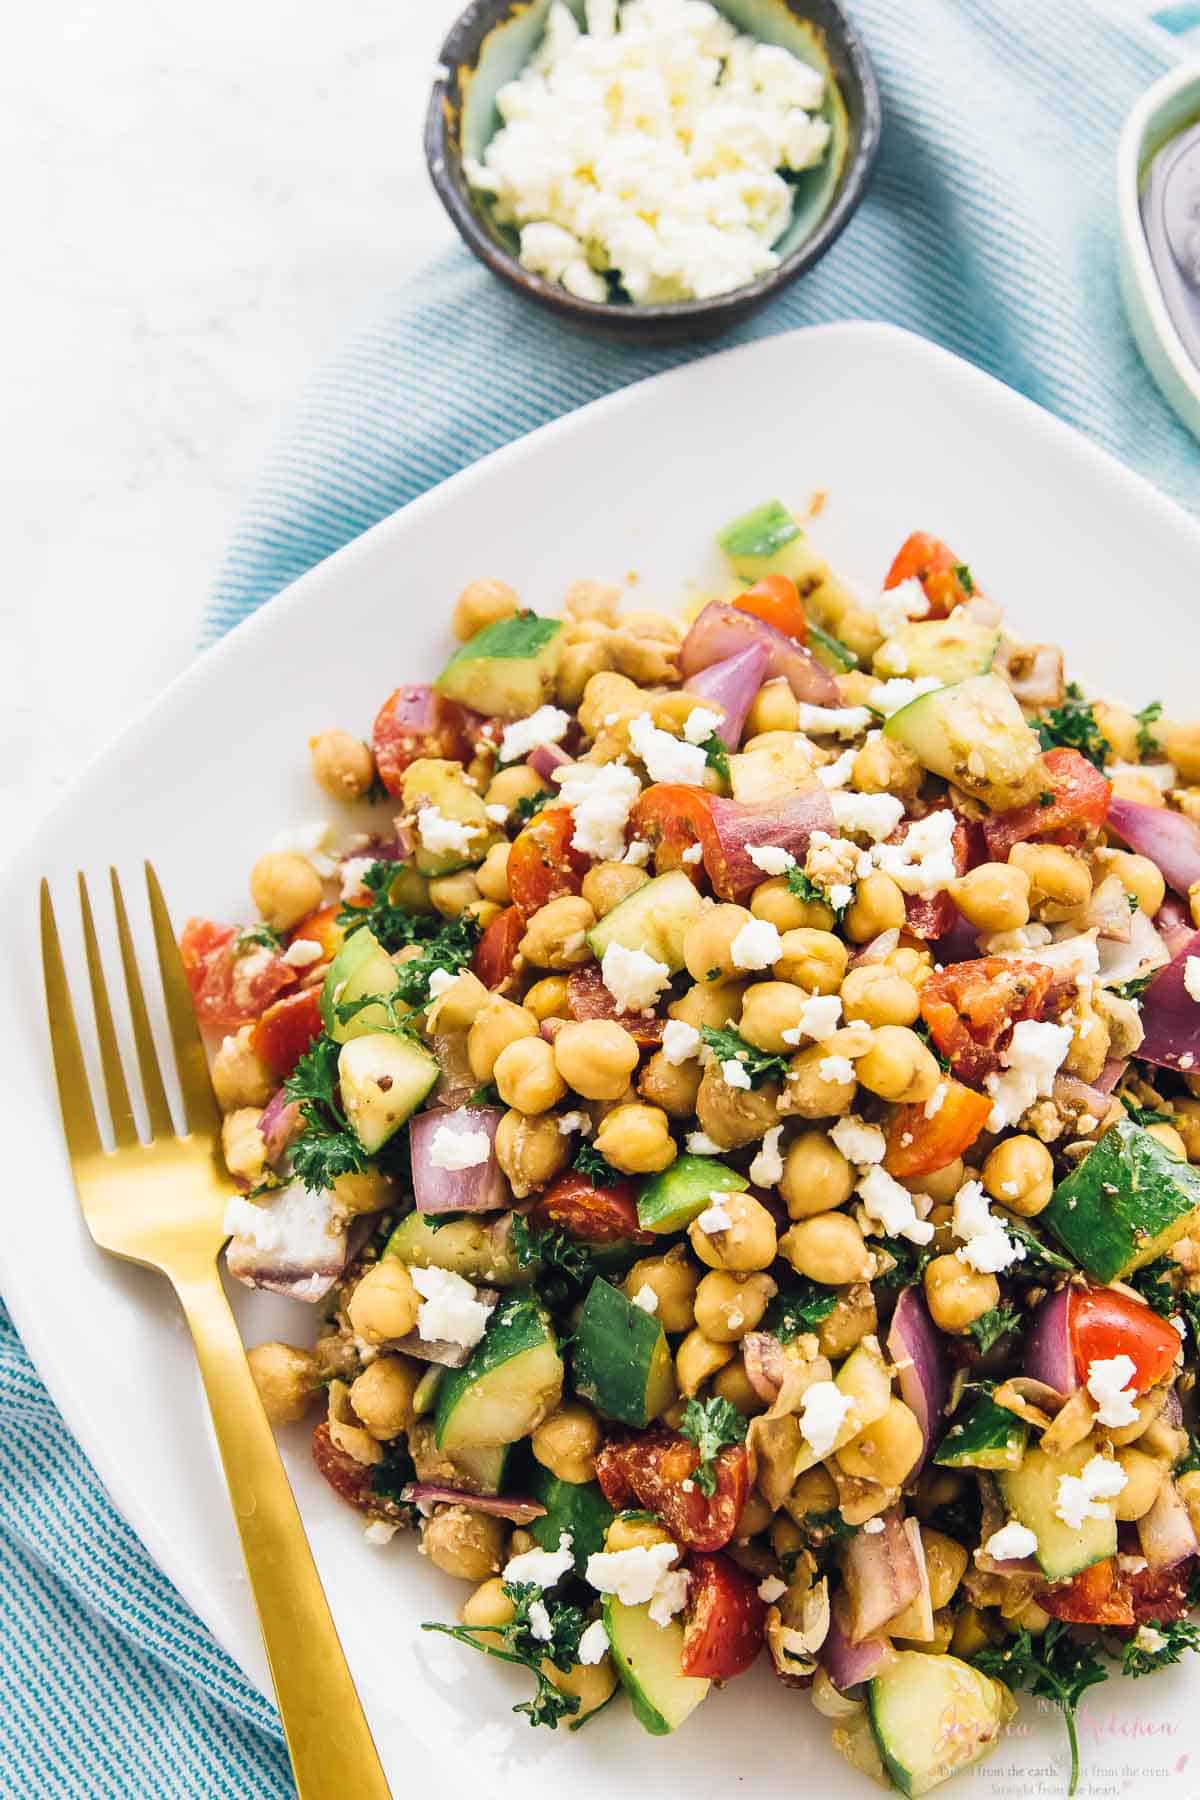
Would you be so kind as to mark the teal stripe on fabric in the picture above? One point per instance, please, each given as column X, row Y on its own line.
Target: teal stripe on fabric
column 1181, row 18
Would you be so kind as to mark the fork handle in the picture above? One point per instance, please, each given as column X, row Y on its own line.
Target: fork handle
column 328, row 1739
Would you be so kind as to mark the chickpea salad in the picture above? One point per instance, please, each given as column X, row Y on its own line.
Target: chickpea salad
column 735, row 1111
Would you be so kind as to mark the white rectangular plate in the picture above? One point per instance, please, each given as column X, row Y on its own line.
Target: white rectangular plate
column 901, row 436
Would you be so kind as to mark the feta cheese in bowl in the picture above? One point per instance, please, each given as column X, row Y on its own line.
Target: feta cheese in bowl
column 654, row 169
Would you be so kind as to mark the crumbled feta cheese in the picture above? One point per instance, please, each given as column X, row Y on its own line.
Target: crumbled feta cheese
column 890, row 696
column 548, row 725
column 539, row 1621
column 937, row 1100
column 438, row 834
column 715, row 1218
column 692, row 854
column 665, row 758
column 290, row 1218
column 734, row 1075
column 858, row 1142
column 700, row 724
column 497, row 812
column 756, row 946
column 1191, row 976
column 351, row 875
column 593, row 1643
column 923, row 863
column 574, row 1121
column 451, row 1311
column 835, row 1068
column 874, row 815
column 680, row 1042
column 301, row 953
column 836, row 774
column 633, row 978
column 638, row 854
column 1011, row 1542
column 670, row 1595
column 771, row 1589
column 1034, row 1056
column 601, row 797
column 823, row 1410
column 646, row 1298
column 456, row 1150
column 1082, row 1496
column 380, row 1531
column 632, row 1575
column 987, row 1247
column 700, row 1144
column 1109, row 1381
column 873, row 1527
column 819, row 1018
column 542, row 1568
column 832, row 721
column 770, row 858
column 1148, row 1639
column 891, row 1207
column 767, row 1168
column 439, row 981
column 901, row 604
column 310, row 841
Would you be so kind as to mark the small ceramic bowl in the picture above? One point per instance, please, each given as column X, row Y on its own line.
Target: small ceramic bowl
column 1172, row 104
column 494, row 39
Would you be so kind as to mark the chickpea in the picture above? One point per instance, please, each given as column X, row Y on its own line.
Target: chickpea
column 286, row 1379
column 746, row 1243
column 382, row 1395
column 1144, row 1476
column 518, row 782
column 941, row 1185
column 530, row 1151
column 453, row 895
column 729, row 1305
column 1019, row 1173
column 1131, row 784
column 773, row 708
column 342, row 764
column 593, row 600
column 829, row 1248
column 1168, row 1443
column 851, row 1319
column 480, row 604
column 878, row 905
column 887, row 1450
column 1187, row 1123
column 491, row 877
column 915, row 965
column 957, row 1294
column 469, row 1545
column 814, row 960
column 1138, row 876
column 1189, row 1492
column 1120, row 728
column 1167, row 1135
column 1183, row 749
column 566, row 1443
column 556, row 936
column 993, row 897
column 879, row 996
column 898, row 1066
column 696, row 1359
column 774, row 901
column 242, row 1146
column 636, row 1139
column 239, row 1076
column 526, row 1075
column 383, row 1307
column 606, row 884
column 709, row 1005
column 1089, row 1047
column 496, row 1025
column 673, row 1086
column 813, row 1492
column 592, row 1684
column 815, row 1088
column 946, row 1563
column 673, row 1280
column 816, row 1176
column 626, row 1533
column 708, row 939
column 489, row 1605
column 885, row 767
column 769, row 1009
column 1060, row 884
column 733, row 1384
column 548, row 998
column 595, row 1057
column 734, row 1116
column 576, row 666
column 285, row 888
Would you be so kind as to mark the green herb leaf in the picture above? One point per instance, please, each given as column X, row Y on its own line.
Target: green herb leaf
column 518, row 1642
column 1054, row 1667
column 805, row 888
column 908, row 1262
column 1074, row 725
column 798, row 1308
column 711, row 1425
column 487, row 1095
column 529, row 805
column 394, row 926
column 1178, row 1635
column 1132, row 990
column 1039, row 1259
column 993, row 1325
column 728, row 1045
column 258, row 937
column 567, row 1267
column 1146, row 1115
column 589, row 1162
column 326, row 1148
column 1153, row 1282
column 966, row 580
column 1147, row 742
column 716, row 756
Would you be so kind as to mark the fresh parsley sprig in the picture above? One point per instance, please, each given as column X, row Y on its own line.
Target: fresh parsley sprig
column 1147, row 741
column 716, row 755
column 529, row 805
column 1177, row 1636
column 1039, row 1259
column 523, row 1641
column 1074, row 725
column 728, row 1045
column 797, row 1308
column 711, row 1425
column 589, row 1162
column 991, row 1326
column 805, row 888
column 257, row 937
column 1053, row 1667
column 567, row 1267
column 394, row 925
column 326, row 1148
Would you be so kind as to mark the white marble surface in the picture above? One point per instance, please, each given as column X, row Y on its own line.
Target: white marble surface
column 200, row 202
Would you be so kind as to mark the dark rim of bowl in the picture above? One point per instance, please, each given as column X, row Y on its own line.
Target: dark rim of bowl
column 464, row 38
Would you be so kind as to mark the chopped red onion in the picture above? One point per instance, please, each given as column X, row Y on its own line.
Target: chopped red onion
column 849, row 1663
column 960, row 943
column 915, row 1347
column 1048, row 1353
column 1110, row 1074
column 1173, row 923
column 479, row 1188
column 545, row 759
column 1072, row 1095
column 1109, row 910
column 501, row 1506
column 881, row 1576
column 732, row 683
column 1169, row 839
column 442, row 1351
column 786, row 824
column 414, row 707
column 762, row 1355
column 721, row 631
column 280, row 1125
column 1165, row 1533
column 1170, row 1016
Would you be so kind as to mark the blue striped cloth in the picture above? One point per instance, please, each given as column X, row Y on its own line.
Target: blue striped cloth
column 990, row 228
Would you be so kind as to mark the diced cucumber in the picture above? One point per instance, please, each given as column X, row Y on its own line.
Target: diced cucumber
column 670, row 1201
column 950, row 648
column 1125, row 1204
column 426, row 1391
column 621, row 1362
column 990, row 1437
column 653, row 919
column 479, row 1249
column 1031, row 1494
column 648, row 1659
column 830, row 651
column 768, row 541
column 759, row 535
column 383, row 1079
column 506, row 670
column 483, row 1466
column 362, row 966
column 432, row 782
column 576, row 1507
column 932, row 1716
column 974, row 734
column 508, row 1384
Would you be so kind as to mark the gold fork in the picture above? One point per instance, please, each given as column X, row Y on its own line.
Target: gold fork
column 161, row 1203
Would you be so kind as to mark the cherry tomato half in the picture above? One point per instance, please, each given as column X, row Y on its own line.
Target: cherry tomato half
column 776, row 601
column 1074, row 798
column 652, row 1468
column 496, row 951
column 542, row 866
column 594, row 1215
column 918, row 1144
column 229, row 985
column 281, row 1035
column 1093, row 1597
column 414, row 722
column 1103, row 1323
column 928, row 560
column 723, row 1631
column 970, row 1006
column 588, row 998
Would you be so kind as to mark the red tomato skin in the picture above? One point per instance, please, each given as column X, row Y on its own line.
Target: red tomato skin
column 933, row 1143
column 282, row 1034
column 651, row 1469
column 970, row 1008
column 496, row 951
column 320, row 927
column 1161, row 1596
column 930, row 916
column 725, row 1619
column 396, row 745
column 594, row 1215
column 223, row 997
column 1103, row 1323
column 673, row 818
column 776, row 601
column 1093, row 1597
column 924, row 558
column 542, row 865
column 588, row 998
column 1079, row 804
